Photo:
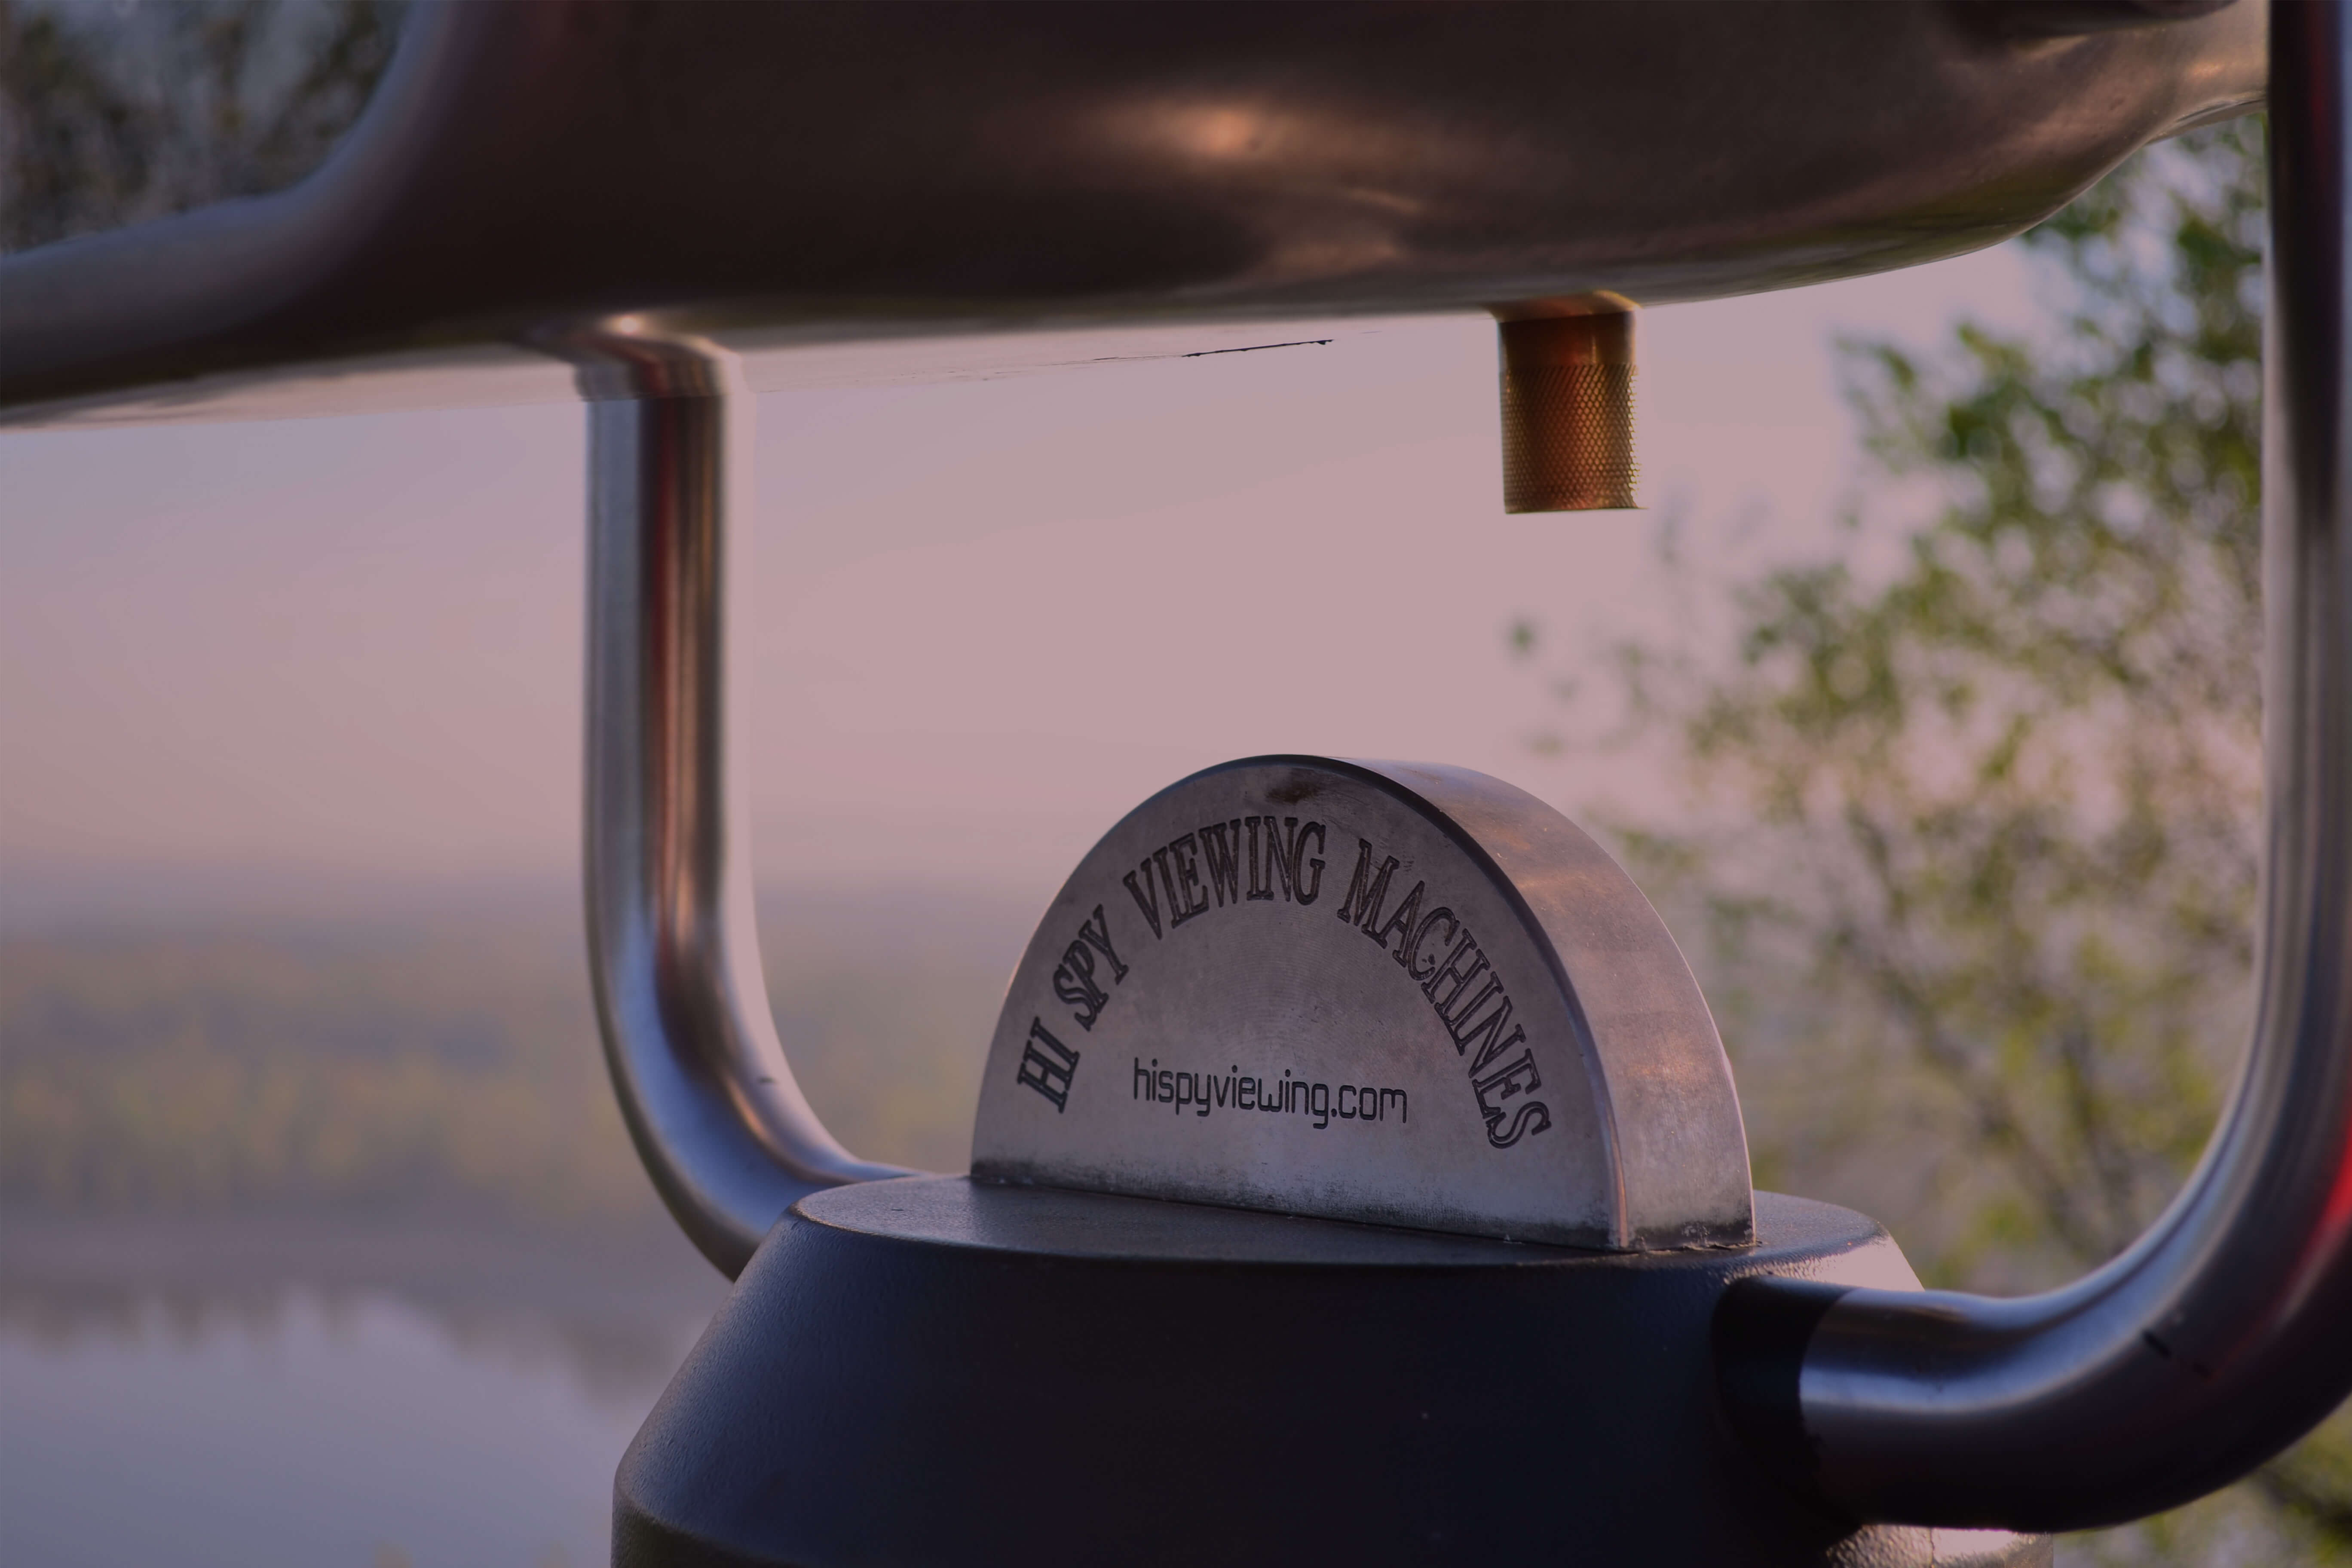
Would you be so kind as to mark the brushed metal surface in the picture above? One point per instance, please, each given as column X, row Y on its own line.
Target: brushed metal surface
column 1384, row 992
column 709, row 1097
column 775, row 174
column 2225, row 1332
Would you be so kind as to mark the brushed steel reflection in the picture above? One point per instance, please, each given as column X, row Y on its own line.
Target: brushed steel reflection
column 767, row 173
column 1556, row 1074
column 711, row 1103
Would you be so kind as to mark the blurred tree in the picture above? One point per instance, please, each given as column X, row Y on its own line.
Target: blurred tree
column 115, row 112
column 1982, row 926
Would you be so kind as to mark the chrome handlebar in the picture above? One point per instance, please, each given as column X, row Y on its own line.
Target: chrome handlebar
column 722, row 1128
column 2225, row 1334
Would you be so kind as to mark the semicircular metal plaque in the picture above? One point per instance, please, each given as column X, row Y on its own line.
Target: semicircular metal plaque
column 1385, row 992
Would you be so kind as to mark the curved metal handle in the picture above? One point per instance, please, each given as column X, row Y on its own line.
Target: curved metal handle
column 710, row 1101
column 2226, row 1332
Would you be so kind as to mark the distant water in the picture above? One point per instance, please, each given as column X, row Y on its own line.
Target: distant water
column 253, row 1393
column 289, row 1384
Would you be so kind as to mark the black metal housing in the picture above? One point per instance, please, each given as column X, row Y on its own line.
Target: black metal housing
column 929, row 1371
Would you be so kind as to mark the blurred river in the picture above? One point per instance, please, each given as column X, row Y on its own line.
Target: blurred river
column 264, row 1390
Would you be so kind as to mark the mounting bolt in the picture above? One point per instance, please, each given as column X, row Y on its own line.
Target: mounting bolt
column 1568, row 403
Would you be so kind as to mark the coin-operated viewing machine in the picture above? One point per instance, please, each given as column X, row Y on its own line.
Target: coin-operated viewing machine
column 1358, row 1175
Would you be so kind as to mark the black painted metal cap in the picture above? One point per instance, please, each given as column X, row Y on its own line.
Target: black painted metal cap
column 932, row 1370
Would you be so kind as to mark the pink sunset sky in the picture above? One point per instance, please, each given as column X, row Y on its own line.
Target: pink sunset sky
column 340, row 658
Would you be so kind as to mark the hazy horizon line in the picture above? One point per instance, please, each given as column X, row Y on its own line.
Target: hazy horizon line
column 64, row 901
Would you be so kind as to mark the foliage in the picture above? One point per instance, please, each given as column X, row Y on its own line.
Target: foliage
column 2032, row 749
column 448, row 1062
column 1983, row 927
column 191, row 1072
column 110, row 115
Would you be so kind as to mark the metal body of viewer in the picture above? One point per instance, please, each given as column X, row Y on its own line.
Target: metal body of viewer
column 1408, row 996
column 1357, row 1173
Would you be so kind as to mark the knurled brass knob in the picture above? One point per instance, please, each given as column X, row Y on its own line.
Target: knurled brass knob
column 1568, row 411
